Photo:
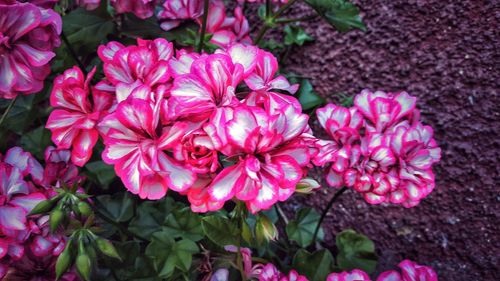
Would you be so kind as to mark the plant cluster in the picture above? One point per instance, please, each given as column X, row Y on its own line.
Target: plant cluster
column 175, row 138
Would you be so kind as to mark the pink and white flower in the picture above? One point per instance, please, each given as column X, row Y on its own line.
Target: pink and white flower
column 173, row 12
column 141, row 8
column 144, row 66
column 78, row 110
column 269, row 272
column 89, row 4
column 410, row 271
column 226, row 30
column 137, row 143
column 28, row 35
column 354, row 275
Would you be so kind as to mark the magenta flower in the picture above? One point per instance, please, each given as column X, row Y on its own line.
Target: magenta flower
column 410, row 271
column 73, row 123
column 198, row 152
column 269, row 272
column 198, row 196
column 89, row 4
column 136, row 143
column 141, row 8
column 28, row 34
column 227, row 30
column 269, row 152
column 355, row 275
column 173, row 12
column 131, row 67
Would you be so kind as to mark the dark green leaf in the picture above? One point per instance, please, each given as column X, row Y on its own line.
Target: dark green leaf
column 168, row 254
column 316, row 266
column 341, row 14
column 85, row 30
column 101, row 173
column 183, row 223
column 220, row 230
column 36, row 141
column 355, row 251
column 119, row 207
column 301, row 230
column 307, row 97
column 294, row 34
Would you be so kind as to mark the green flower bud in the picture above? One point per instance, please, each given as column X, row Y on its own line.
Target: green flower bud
column 83, row 265
column 265, row 230
column 84, row 208
column 107, row 248
column 63, row 261
column 42, row 207
column 307, row 186
column 56, row 216
column 246, row 232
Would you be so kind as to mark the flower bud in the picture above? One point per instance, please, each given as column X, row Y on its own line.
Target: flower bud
column 63, row 261
column 83, row 265
column 307, row 186
column 55, row 219
column 84, row 208
column 42, row 207
column 265, row 230
column 246, row 232
column 107, row 248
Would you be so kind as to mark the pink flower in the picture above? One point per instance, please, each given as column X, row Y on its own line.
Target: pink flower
column 269, row 152
column 227, row 30
column 269, row 272
column 58, row 170
column 73, row 123
column 141, row 8
column 198, row 197
column 211, row 82
column 198, row 152
column 28, row 34
column 176, row 11
column 136, row 144
column 88, row 4
column 132, row 67
column 355, row 275
column 410, row 271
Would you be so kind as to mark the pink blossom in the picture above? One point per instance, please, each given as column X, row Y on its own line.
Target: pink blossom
column 28, row 34
column 269, row 153
column 73, row 122
column 354, row 275
column 227, row 30
column 198, row 196
column 143, row 66
column 410, row 271
column 269, row 272
column 173, row 12
column 141, row 8
column 89, row 4
column 136, row 143
column 198, row 152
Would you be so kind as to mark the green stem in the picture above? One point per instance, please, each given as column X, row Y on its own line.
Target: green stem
column 270, row 20
column 240, row 215
column 268, row 8
column 9, row 107
column 306, row 18
column 203, row 26
column 281, row 213
column 72, row 52
column 325, row 211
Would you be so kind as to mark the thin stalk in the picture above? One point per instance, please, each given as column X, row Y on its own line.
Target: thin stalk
column 72, row 52
column 268, row 8
column 7, row 110
column 325, row 211
column 203, row 26
column 270, row 20
column 306, row 18
column 281, row 213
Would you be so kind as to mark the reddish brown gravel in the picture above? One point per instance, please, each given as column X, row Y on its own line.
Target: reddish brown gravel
column 447, row 54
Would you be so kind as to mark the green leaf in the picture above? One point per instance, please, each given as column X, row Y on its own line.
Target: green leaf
column 168, row 254
column 119, row 207
column 307, row 97
column 341, row 14
column 355, row 251
column 85, row 30
column 301, row 230
column 316, row 266
column 183, row 223
column 294, row 34
column 220, row 230
column 36, row 141
column 101, row 173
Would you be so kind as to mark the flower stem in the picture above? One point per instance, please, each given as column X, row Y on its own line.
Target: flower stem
column 73, row 53
column 240, row 216
column 325, row 211
column 270, row 20
column 306, row 18
column 203, row 26
column 9, row 107
column 268, row 8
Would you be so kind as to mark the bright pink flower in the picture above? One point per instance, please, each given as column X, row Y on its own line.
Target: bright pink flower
column 211, row 82
column 89, row 4
column 58, row 170
column 173, row 12
column 197, row 151
column 73, row 122
column 263, row 78
column 198, row 197
column 269, row 272
column 28, row 34
column 136, row 144
column 227, row 30
column 246, row 256
column 269, row 153
column 131, row 67
column 410, row 271
column 141, row 8
column 355, row 275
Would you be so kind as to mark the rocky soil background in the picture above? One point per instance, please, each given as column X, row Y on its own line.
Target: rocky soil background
column 447, row 54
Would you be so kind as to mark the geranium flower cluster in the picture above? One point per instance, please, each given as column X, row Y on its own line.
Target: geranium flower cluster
column 379, row 147
column 27, row 248
column 182, row 123
column 28, row 35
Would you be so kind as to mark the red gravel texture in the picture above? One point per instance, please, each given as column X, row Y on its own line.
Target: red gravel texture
column 447, row 54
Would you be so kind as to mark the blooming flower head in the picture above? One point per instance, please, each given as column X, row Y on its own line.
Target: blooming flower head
column 269, row 272
column 173, row 12
column 89, row 4
column 227, row 30
column 78, row 110
column 141, row 8
column 355, row 275
column 380, row 148
column 128, row 68
column 410, row 271
column 28, row 34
